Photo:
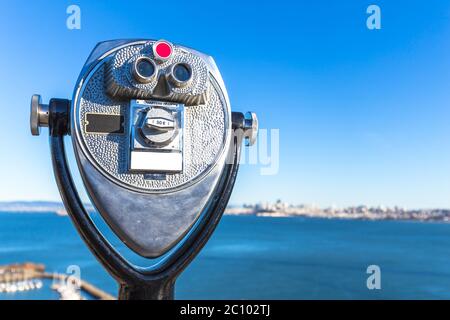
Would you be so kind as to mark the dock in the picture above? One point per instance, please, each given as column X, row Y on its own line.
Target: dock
column 29, row 271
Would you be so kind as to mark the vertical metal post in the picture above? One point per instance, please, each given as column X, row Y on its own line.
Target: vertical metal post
column 155, row 290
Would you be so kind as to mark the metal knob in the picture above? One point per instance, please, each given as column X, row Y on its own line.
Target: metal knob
column 159, row 127
column 38, row 115
column 250, row 128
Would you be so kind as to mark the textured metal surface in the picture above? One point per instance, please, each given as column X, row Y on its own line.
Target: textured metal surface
column 121, row 84
column 204, row 136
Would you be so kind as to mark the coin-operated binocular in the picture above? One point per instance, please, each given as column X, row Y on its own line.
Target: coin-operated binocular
column 157, row 147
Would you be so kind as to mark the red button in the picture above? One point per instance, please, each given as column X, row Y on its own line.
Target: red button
column 163, row 49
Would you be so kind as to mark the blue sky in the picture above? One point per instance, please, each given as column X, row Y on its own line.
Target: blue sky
column 363, row 115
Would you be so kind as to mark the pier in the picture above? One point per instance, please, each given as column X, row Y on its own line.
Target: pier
column 28, row 271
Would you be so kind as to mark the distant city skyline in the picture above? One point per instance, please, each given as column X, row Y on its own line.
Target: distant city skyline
column 278, row 209
column 362, row 114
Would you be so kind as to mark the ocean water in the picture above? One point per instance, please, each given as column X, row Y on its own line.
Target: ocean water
column 263, row 258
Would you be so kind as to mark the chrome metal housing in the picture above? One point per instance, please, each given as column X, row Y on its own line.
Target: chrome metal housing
column 150, row 222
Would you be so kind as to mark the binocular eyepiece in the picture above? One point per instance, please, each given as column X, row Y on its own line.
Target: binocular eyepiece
column 155, row 141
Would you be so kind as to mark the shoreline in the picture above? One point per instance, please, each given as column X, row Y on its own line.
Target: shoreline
column 275, row 210
column 262, row 215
